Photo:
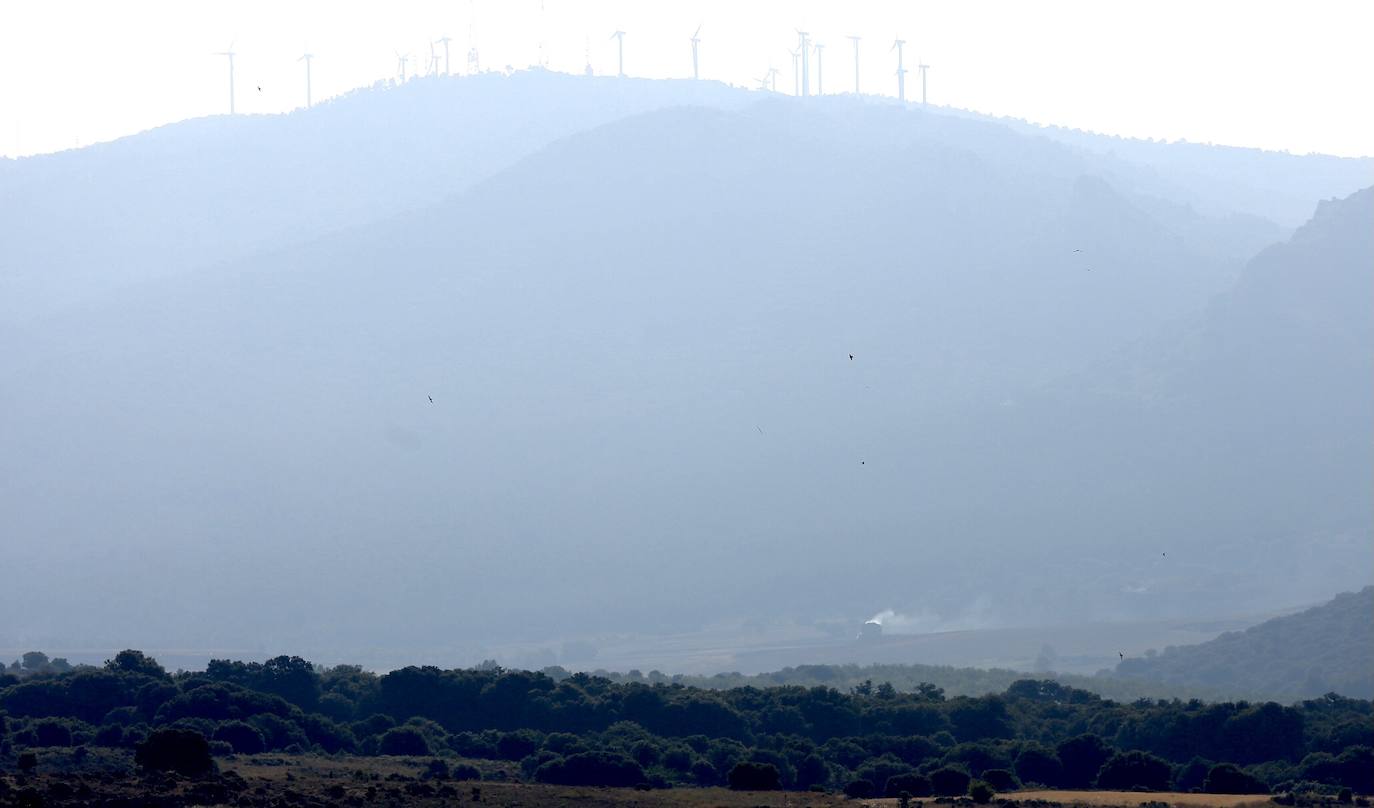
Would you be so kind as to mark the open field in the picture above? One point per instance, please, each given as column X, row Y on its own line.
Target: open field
column 1135, row 798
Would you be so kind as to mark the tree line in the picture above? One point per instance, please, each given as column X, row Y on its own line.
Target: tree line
column 584, row 729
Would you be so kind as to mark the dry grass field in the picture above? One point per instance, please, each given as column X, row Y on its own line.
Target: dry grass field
column 1132, row 799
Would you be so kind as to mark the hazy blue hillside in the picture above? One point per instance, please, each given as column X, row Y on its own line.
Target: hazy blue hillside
column 198, row 193
column 645, row 417
column 1329, row 648
column 79, row 223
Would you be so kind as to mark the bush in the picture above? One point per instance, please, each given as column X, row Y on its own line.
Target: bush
column 244, row 738
column 750, row 776
column 1227, row 778
column 464, row 771
column 591, row 769
column 913, row 784
column 517, row 745
column 180, row 750
column 1135, row 770
column 405, row 741
column 859, row 789
column 220, row 749
column 1038, row 765
column 1000, row 780
column 27, row 762
column 436, row 769
column 980, row 792
column 52, row 732
column 949, row 782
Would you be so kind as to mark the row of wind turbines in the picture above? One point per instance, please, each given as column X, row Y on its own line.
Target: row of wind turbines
column 801, row 65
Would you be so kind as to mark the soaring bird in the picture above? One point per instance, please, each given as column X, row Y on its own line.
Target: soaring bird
column 851, row 357
column 1121, row 654
column 431, row 399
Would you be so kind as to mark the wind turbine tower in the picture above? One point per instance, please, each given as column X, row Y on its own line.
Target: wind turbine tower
column 696, row 40
column 230, row 54
column 443, row 40
column 804, row 46
column 773, row 78
column 619, row 37
column 855, row 40
column 923, row 68
column 306, row 57
column 820, row 70
column 901, row 71
column 796, row 71
column 401, row 59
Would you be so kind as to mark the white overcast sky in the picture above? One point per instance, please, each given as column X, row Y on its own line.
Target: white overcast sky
column 1276, row 75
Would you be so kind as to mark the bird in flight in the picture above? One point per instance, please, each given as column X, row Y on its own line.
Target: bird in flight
column 431, row 399
column 759, row 428
column 1078, row 251
column 851, row 357
column 1121, row 654
column 259, row 88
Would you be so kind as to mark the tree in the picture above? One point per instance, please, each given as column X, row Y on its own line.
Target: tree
column 131, row 661
column 858, row 789
column 750, row 776
column 180, row 750
column 999, row 779
column 1135, row 769
column 35, row 661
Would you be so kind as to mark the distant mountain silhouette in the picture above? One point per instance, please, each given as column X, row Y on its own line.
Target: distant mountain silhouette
column 1326, row 649
column 636, row 337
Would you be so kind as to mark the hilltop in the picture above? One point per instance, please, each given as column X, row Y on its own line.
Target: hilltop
column 1325, row 649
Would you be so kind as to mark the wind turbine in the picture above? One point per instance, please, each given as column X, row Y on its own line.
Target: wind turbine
column 820, row 70
column 796, row 71
column 306, row 57
column 230, row 54
column 901, row 71
column 401, row 59
column 856, row 63
column 923, row 68
column 433, row 67
column 443, row 40
column 804, row 45
column 695, row 41
column 619, row 37
column 773, row 78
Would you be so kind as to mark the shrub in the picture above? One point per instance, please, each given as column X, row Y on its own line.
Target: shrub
column 464, row 771
column 1037, row 765
column 244, row 738
column 949, row 782
column 27, row 762
column 52, row 732
column 859, row 789
column 1227, row 778
column 180, row 750
column 436, row 769
column 517, row 745
column 751, row 776
column 913, row 784
column 980, row 792
column 999, row 779
column 1135, row 769
column 591, row 769
column 406, row 741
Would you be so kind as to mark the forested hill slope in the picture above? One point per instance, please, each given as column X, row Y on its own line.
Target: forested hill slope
column 1328, row 648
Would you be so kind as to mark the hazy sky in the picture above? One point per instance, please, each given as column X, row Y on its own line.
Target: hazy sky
column 1277, row 75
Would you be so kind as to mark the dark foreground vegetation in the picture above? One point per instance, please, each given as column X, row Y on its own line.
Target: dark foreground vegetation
column 485, row 724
